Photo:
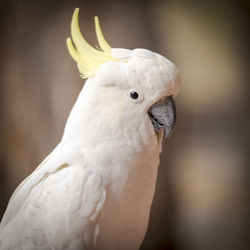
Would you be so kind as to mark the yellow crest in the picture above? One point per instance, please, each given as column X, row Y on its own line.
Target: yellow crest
column 88, row 58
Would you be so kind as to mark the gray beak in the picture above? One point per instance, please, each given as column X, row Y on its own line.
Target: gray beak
column 163, row 115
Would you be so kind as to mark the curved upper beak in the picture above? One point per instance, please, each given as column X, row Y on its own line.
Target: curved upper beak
column 163, row 115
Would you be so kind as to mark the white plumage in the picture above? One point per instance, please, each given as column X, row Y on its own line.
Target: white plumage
column 94, row 191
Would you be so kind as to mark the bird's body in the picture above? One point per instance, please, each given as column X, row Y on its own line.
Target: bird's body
column 126, row 172
column 96, row 188
column 52, row 212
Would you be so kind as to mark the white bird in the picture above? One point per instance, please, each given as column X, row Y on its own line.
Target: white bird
column 95, row 190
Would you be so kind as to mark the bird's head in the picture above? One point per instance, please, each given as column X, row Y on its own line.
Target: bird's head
column 131, row 87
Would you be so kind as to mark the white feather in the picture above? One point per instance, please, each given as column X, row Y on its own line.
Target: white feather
column 96, row 188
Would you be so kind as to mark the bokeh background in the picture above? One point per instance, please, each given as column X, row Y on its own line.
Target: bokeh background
column 202, row 195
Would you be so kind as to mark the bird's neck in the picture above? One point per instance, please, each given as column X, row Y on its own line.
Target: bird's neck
column 78, row 121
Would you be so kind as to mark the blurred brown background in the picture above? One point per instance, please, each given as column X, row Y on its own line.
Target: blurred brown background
column 202, row 195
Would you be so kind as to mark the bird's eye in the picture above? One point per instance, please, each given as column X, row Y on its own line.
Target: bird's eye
column 134, row 95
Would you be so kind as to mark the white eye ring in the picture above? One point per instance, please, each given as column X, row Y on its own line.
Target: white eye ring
column 134, row 96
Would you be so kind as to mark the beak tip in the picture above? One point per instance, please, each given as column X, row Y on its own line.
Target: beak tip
column 168, row 132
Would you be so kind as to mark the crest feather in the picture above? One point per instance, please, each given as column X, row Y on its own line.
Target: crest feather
column 87, row 57
column 101, row 40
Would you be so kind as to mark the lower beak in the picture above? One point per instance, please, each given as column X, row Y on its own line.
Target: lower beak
column 163, row 115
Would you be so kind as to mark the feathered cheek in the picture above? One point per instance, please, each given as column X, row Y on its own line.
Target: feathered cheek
column 112, row 106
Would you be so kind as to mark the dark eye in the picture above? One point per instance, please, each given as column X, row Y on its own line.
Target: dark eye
column 134, row 95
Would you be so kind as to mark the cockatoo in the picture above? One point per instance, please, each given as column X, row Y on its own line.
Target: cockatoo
column 95, row 190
